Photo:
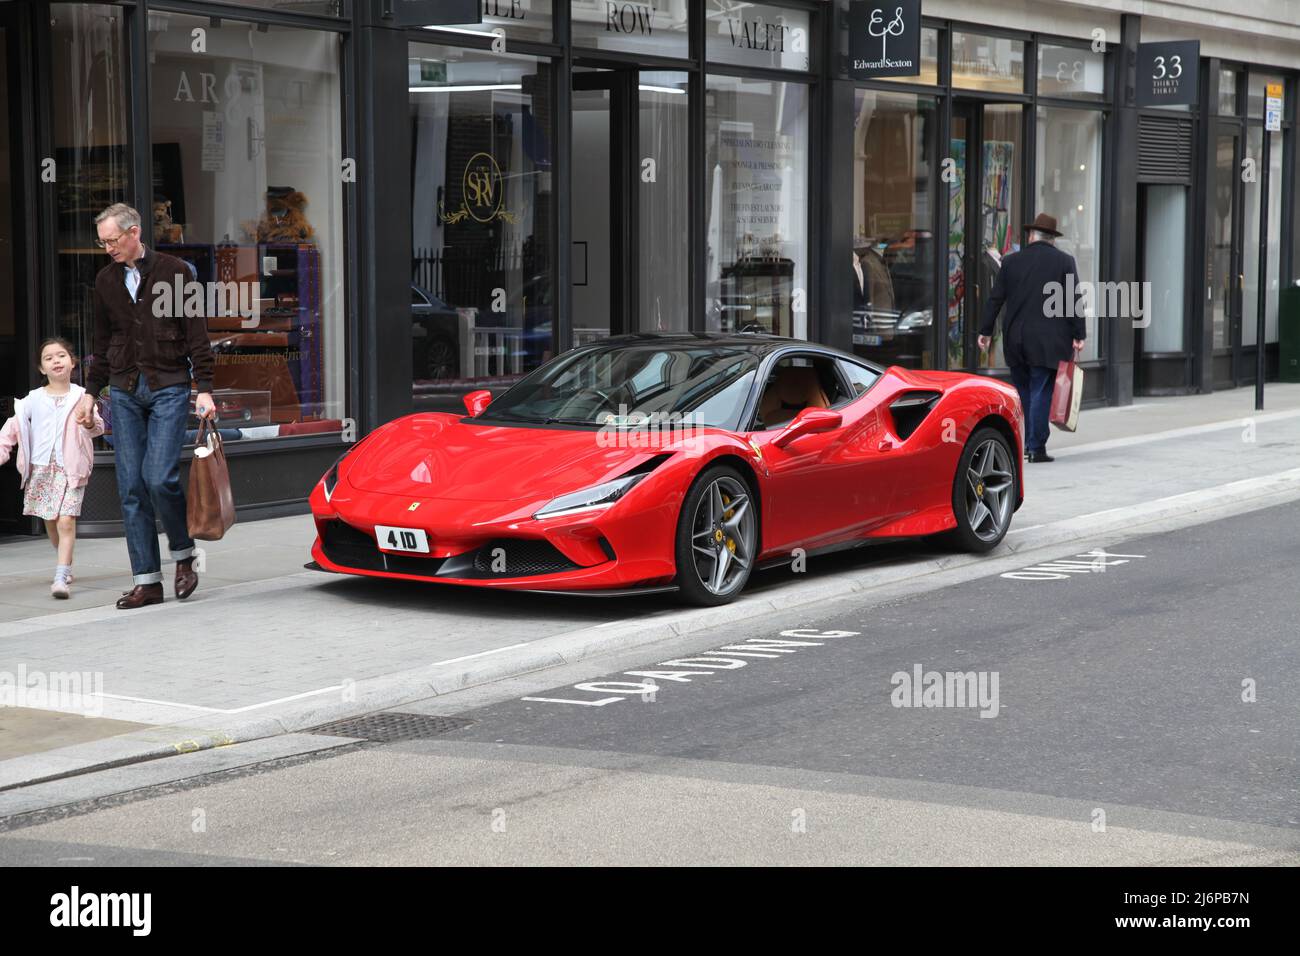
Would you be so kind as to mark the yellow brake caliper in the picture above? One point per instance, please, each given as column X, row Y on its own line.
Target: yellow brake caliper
column 726, row 516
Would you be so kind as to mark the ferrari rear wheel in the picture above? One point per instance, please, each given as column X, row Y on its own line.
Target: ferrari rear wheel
column 717, row 537
column 984, row 491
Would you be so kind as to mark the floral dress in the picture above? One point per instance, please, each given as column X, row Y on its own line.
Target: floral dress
column 48, row 494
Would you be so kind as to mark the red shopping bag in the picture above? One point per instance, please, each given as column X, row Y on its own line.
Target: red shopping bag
column 1066, row 396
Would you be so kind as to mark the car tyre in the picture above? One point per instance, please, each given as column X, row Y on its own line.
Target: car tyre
column 717, row 537
column 984, row 491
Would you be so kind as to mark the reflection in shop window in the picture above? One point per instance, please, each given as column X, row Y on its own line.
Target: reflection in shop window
column 1069, row 188
column 91, row 152
column 482, row 215
column 756, row 160
column 247, row 188
column 995, row 64
column 894, row 143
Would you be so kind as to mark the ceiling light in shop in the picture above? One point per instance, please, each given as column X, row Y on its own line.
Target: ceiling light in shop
column 470, row 88
column 661, row 89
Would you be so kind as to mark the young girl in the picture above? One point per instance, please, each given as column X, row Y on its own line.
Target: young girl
column 55, row 455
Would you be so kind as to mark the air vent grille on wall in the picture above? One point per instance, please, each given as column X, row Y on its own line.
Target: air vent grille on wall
column 1165, row 149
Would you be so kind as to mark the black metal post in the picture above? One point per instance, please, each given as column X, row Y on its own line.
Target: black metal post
column 1260, row 350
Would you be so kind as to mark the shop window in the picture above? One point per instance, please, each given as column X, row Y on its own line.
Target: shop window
column 757, row 34
column 929, row 75
column 992, row 64
column 482, row 217
column 1164, row 246
column 655, row 27
column 756, row 161
column 1228, row 93
column 1069, row 187
column 1071, row 72
column 247, row 188
column 894, row 146
column 1250, row 245
column 89, row 118
column 320, row 8
column 510, row 20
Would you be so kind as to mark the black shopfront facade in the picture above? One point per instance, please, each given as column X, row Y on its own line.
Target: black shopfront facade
column 422, row 212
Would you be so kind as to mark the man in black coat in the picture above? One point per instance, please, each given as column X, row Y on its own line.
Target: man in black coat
column 1036, row 335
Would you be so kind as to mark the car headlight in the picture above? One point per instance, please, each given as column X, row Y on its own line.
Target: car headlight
column 916, row 320
column 589, row 499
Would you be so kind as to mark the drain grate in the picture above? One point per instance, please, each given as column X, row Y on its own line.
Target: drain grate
column 391, row 726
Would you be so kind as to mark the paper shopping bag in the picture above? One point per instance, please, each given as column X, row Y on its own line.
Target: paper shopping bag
column 1066, row 396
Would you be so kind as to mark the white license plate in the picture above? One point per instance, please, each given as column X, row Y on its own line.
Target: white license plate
column 411, row 540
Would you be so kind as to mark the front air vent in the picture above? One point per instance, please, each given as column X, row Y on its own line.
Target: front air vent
column 910, row 409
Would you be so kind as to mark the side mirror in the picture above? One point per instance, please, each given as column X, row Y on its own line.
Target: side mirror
column 476, row 402
column 810, row 421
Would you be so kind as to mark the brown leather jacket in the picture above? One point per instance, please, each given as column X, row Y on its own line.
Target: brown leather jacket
column 130, row 340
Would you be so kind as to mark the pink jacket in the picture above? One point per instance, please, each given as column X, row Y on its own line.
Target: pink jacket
column 78, row 451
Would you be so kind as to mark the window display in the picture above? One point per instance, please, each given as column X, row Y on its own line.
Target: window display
column 756, row 160
column 248, row 177
column 482, row 218
column 894, row 141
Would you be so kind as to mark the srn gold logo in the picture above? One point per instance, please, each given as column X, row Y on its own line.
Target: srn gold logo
column 482, row 193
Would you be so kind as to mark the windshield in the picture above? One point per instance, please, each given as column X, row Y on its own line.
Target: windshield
column 701, row 386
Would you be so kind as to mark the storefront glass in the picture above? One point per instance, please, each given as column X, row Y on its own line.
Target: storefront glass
column 92, row 156
column 1221, row 224
column 1071, row 72
column 247, row 160
column 756, row 161
column 757, row 34
column 655, row 27
column 929, row 75
column 1069, row 188
column 320, row 8
column 511, row 20
column 1164, row 244
column 992, row 64
column 663, row 259
column 895, row 143
column 1228, row 93
column 1250, row 240
column 482, row 216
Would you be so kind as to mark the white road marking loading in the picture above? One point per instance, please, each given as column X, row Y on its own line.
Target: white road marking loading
column 1098, row 560
column 729, row 657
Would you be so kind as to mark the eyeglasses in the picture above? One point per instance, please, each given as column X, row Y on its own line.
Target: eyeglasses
column 112, row 243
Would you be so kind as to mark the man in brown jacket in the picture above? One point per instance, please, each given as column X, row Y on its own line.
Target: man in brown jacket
column 147, row 351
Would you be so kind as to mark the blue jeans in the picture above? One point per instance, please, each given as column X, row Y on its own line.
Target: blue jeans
column 148, row 433
column 1035, row 384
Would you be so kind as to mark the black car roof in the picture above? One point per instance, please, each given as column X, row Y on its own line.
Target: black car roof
column 760, row 343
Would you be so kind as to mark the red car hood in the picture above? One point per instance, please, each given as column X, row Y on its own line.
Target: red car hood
column 438, row 456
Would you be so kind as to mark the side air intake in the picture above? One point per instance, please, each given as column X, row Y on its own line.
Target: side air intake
column 910, row 409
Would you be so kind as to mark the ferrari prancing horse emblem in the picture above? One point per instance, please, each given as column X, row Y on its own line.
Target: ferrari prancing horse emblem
column 414, row 505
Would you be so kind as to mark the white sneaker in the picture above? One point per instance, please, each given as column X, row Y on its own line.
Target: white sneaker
column 59, row 588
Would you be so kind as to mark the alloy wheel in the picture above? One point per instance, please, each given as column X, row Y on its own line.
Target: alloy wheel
column 989, row 491
column 723, row 535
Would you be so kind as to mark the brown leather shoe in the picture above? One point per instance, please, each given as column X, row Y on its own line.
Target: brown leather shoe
column 142, row 595
column 186, row 579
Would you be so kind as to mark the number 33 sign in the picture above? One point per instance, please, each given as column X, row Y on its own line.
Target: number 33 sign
column 1167, row 73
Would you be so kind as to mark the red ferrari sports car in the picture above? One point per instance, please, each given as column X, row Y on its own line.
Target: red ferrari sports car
column 674, row 460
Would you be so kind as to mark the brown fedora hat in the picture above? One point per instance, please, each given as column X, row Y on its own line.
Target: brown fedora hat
column 1044, row 223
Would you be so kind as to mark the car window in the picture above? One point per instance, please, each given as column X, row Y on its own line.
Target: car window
column 860, row 378
column 417, row 298
column 797, row 382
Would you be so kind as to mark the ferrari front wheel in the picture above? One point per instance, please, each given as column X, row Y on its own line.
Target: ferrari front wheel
column 717, row 537
column 984, row 491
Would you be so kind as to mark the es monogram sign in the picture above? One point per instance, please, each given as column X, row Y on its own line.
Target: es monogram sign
column 884, row 38
column 1167, row 73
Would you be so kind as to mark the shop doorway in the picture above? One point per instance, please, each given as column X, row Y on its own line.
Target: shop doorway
column 984, row 218
column 629, row 202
